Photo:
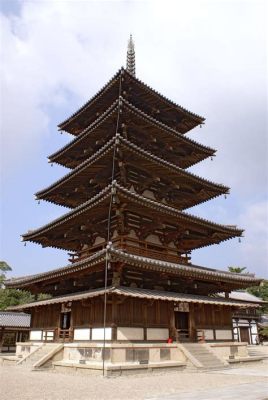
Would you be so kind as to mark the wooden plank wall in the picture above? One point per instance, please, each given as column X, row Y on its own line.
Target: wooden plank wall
column 46, row 316
column 131, row 312
column 206, row 315
column 123, row 312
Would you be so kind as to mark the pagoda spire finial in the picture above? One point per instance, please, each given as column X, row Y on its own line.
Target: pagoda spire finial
column 131, row 57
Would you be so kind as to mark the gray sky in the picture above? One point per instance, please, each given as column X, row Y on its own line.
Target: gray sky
column 208, row 56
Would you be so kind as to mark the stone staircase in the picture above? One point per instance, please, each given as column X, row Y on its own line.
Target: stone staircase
column 257, row 351
column 39, row 356
column 201, row 357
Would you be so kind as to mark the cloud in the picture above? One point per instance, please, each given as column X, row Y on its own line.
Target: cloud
column 207, row 56
column 254, row 251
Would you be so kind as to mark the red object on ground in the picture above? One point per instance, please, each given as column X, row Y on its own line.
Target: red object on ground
column 170, row 340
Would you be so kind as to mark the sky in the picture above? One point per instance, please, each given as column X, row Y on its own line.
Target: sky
column 208, row 56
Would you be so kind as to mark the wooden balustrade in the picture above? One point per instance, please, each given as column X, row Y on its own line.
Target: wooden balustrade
column 64, row 335
column 183, row 335
column 137, row 247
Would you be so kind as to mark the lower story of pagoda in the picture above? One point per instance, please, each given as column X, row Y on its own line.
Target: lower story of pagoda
column 133, row 315
column 144, row 331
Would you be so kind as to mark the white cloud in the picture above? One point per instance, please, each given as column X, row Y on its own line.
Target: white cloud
column 185, row 50
column 254, row 250
column 207, row 56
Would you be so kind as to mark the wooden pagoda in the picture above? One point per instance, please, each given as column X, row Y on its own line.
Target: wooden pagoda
column 127, row 233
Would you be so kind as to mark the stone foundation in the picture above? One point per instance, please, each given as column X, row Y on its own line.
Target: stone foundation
column 230, row 350
column 122, row 353
column 25, row 348
column 113, row 370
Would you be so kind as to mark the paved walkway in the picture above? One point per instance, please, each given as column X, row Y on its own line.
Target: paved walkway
column 245, row 383
column 244, row 391
column 249, row 371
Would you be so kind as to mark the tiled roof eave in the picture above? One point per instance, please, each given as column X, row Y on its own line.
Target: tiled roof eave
column 94, row 125
column 137, row 293
column 167, row 128
column 132, row 259
column 93, row 260
column 96, row 156
column 187, row 269
column 104, row 194
column 173, row 211
column 100, row 93
column 100, row 197
column 138, row 151
column 106, row 87
column 192, row 115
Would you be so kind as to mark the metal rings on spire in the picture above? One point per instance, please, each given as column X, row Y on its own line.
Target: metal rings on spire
column 131, row 57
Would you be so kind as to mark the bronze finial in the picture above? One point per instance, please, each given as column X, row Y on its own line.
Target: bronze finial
column 131, row 57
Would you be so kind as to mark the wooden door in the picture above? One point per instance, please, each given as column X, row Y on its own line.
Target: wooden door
column 65, row 320
column 65, row 331
column 182, row 325
column 244, row 335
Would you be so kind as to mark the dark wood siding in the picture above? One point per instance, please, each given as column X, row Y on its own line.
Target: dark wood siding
column 122, row 311
column 46, row 316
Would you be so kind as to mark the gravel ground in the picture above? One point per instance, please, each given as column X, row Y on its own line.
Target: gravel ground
column 18, row 383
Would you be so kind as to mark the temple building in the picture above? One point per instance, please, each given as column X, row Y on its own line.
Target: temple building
column 129, row 237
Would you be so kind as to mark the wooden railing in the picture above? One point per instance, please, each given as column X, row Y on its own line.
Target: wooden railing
column 137, row 247
column 64, row 335
column 183, row 335
column 48, row 335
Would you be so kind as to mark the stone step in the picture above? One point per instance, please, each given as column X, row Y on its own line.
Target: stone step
column 37, row 355
column 205, row 357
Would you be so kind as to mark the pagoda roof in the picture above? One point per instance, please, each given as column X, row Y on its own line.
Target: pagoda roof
column 137, row 293
column 102, row 124
column 116, row 255
column 175, row 115
column 136, row 203
column 99, row 161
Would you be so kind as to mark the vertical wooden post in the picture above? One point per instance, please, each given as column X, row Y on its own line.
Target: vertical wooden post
column 1, row 337
column 114, row 318
column 192, row 329
column 172, row 327
column 144, row 322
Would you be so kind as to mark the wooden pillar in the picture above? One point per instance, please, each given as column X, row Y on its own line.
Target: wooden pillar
column 172, row 327
column 1, row 337
column 114, row 318
column 117, row 272
column 192, row 328
column 213, row 307
column 145, row 319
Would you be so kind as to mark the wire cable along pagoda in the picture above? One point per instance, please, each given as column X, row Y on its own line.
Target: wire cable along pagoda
column 128, row 236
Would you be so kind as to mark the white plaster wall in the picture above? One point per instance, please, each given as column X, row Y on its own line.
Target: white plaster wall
column 153, row 239
column 98, row 240
column 223, row 334
column 254, row 328
column 149, row 194
column 208, row 334
column 157, row 334
column 82, row 334
column 132, row 234
column 124, row 333
column 35, row 335
column 98, row 333
column 49, row 336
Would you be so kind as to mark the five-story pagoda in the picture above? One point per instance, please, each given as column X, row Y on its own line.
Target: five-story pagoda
column 127, row 233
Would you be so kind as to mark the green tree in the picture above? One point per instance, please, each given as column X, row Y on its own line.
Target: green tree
column 237, row 270
column 14, row 297
column 264, row 332
column 4, row 268
column 260, row 291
